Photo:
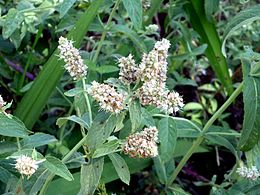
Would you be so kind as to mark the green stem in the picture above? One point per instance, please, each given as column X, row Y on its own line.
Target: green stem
column 105, row 31
column 199, row 140
column 65, row 158
column 87, row 101
column 18, row 143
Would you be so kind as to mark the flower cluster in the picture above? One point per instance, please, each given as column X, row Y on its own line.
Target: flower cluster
column 128, row 69
column 152, row 28
column 2, row 102
column 109, row 99
column 142, row 144
column 152, row 71
column 26, row 165
column 248, row 173
column 74, row 63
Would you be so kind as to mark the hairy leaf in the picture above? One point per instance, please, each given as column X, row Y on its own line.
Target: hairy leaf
column 134, row 10
column 90, row 176
column 121, row 167
column 57, row 167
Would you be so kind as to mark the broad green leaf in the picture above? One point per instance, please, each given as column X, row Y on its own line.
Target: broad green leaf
column 11, row 126
column 245, row 17
column 252, row 156
column 12, row 21
column 251, row 124
column 35, row 99
column 100, row 131
column 90, row 176
column 160, row 169
column 106, row 148
column 39, row 183
column 121, row 167
column 64, row 7
column 135, row 115
column 73, row 92
column 37, row 139
column 222, row 141
column 76, row 119
column 7, row 147
column 211, row 6
column 57, row 167
column 134, row 10
column 5, row 175
column 147, row 118
column 167, row 137
column 176, row 189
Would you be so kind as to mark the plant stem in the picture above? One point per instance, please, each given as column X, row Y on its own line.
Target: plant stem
column 105, row 31
column 199, row 140
column 87, row 101
column 65, row 158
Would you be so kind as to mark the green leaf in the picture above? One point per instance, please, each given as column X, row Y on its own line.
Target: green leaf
column 39, row 183
column 211, row 6
column 132, row 35
column 73, row 92
column 160, row 169
column 167, row 137
column 121, row 167
column 64, row 7
column 135, row 114
column 251, row 124
column 147, row 118
column 90, row 176
column 120, row 121
column 38, row 139
column 193, row 106
column 76, row 119
column 61, row 186
column 107, row 69
column 134, row 10
column 100, row 131
column 106, row 148
column 218, row 140
column 5, row 175
column 57, row 167
column 209, row 35
column 246, row 16
column 35, row 99
column 11, row 126
column 12, row 22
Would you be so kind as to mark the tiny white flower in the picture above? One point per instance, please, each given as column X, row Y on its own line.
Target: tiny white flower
column 26, row 165
column 2, row 102
column 248, row 173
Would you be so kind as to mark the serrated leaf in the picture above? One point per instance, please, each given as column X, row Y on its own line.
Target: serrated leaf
column 90, row 176
column 106, row 148
column 76, row 119
column 245, row 17
column 251, row 124
column 12, row 22
column 37, row 139
column 57, row 167
column 135, row 114
column 167, row 137
column 73, row 92
column 11, row 126
column 121, row 167
column 64, row 7
column 134, row 10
